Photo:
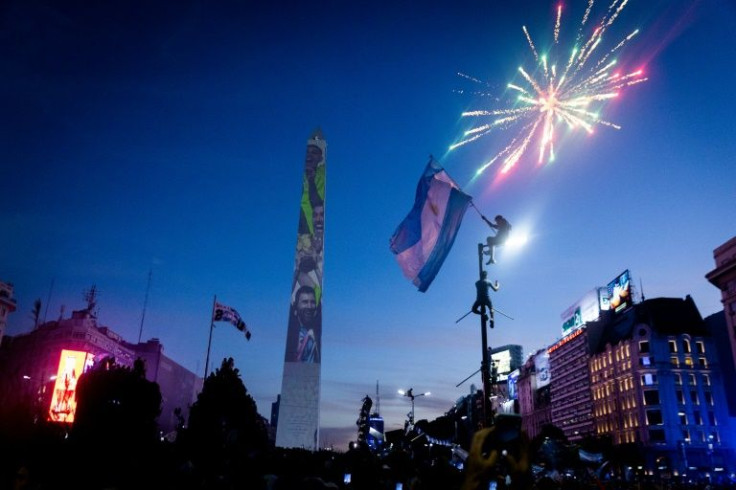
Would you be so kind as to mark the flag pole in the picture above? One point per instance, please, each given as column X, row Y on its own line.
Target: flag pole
column 209, row 343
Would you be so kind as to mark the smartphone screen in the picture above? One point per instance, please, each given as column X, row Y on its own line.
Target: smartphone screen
column 347, row 478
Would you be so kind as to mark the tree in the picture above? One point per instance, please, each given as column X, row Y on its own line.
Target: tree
column 36, row 312
column 224, row 426
column 115, row 421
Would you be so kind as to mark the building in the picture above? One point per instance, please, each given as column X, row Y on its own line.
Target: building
column 656, row 381
column 467, row 416
column 570, row 394
column 724, row 278
column 32, row 364
column 504, row 361
column 533, row 391
column 7, row 306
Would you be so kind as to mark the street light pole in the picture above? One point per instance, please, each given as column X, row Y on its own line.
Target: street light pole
column 410, row 395
column 485, row 369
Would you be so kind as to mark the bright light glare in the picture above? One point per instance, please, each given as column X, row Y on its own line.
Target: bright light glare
column 517, row 240
column 402, row 392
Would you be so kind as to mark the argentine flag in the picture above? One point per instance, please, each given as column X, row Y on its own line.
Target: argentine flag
column 422, row 241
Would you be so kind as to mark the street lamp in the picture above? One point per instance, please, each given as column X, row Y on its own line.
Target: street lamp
column 411, row 396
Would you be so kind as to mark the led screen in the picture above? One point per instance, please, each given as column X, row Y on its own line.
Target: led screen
column 619, row 292
column 64, row 401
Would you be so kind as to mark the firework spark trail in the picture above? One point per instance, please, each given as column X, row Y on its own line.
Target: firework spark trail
column 574, row 99
column 531, row 44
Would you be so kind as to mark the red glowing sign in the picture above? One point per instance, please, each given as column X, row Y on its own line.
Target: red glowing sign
column 64, row 399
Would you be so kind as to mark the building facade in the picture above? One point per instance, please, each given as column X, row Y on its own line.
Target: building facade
column 534, row 398
column 724, row 278
column 7, row 306
column 31, row 365
column 570, row 392
column 656, row 381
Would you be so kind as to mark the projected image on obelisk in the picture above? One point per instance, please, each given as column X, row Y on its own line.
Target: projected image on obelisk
column 298, row 424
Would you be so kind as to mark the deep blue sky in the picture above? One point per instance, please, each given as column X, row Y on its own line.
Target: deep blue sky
column 171, row 135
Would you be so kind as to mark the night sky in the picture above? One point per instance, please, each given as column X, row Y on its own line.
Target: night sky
column 170, row 136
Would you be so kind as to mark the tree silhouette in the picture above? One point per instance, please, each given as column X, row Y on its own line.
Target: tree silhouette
column 115, row 422
column 36, row 312
column 225, row 429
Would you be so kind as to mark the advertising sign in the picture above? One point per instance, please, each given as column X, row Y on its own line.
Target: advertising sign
column 512, row 380
column 72, row 364
column 587, row 309
column 619, row 292
column 541, row 366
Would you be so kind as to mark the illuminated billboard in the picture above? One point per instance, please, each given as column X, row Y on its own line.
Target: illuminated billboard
column 587, row 309
column 541, row 367
column 72, row 364
column 505, row 359
column 619, row 292
column 512, row 381
column 502, row 362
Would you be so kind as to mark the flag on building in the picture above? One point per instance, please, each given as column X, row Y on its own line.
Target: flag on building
column 422, row 241
column 223, row 313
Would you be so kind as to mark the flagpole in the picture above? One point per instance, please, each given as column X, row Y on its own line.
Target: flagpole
column 485, row 364
column 209, row 343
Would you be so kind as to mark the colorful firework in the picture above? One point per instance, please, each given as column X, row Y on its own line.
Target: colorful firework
column 570, row 94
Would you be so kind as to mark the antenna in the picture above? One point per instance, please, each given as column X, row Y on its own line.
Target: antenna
column 46, row 310
column 90, row 296
column 378, row 400
column 145, row 304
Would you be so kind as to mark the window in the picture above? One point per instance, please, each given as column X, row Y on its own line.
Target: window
column 644, row 346
column 689, row 361
column 686, row 346
column 685, row 435
column 698, row 418
column 694, row 397
column 683, row 418
column 680, row 397
column 709, row 398
column 706, row 379
column 700, row 347
column 691, row 380
column 675, row 362
column 712, row 418
column 645, row 361
column 678, row 379
column 648, row 379
column 703, row 362
column 654, row 417
column 673, row 345
column 656, row 435
column 651, row 397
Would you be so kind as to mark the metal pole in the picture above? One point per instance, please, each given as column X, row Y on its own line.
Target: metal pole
column 485, row 365
column 209, row 343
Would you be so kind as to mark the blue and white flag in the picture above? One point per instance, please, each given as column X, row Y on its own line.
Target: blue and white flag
column 422, row 241
column 223, row 313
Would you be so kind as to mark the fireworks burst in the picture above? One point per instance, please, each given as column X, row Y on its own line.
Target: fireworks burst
column 572, row 95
